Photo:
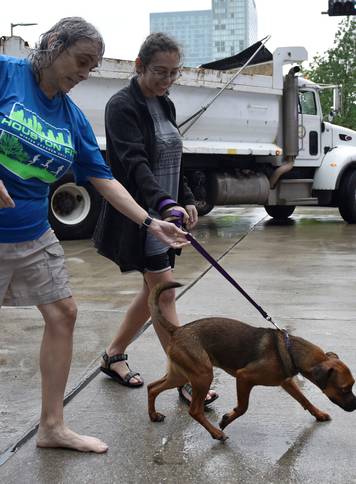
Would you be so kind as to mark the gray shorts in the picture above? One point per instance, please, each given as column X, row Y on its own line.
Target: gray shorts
column 33, row 273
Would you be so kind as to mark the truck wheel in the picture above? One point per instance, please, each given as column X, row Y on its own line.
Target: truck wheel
column 347, row 197
column 280, row 212
column 73, row 210
column 199, row 184
column 203, row 207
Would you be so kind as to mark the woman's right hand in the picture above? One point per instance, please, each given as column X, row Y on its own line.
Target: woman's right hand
column 5, row 200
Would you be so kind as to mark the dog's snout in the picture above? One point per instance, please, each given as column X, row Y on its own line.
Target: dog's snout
column 348, row 403
column 351, row 405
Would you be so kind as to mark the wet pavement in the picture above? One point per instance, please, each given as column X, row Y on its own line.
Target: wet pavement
column 302, row 273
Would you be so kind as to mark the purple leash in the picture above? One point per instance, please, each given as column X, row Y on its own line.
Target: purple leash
column 176, row 217
column 227, row 276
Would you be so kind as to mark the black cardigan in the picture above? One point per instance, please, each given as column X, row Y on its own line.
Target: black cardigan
column 130, row 149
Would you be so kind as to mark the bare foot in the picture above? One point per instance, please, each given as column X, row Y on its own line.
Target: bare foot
column 65, row 438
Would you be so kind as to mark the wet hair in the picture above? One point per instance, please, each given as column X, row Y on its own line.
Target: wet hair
column 158, row 42
column 64, row 34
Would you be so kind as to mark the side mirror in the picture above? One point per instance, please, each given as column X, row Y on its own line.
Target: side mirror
column 336, row 108
column 337, row 100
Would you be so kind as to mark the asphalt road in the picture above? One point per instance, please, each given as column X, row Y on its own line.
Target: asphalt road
column 302, row 273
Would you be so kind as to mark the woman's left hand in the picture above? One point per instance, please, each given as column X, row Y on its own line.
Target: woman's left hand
column 193, row 216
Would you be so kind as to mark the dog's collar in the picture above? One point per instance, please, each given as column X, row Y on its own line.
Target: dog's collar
column 284, row 348
column 288, row 343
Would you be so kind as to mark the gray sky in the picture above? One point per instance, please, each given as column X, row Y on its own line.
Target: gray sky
column 125, row 23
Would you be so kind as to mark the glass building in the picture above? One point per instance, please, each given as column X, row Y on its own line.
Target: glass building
column 191, row 29
column 205, row 35
column 234, row 26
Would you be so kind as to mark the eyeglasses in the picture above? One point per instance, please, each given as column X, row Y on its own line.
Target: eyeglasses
column 163, row 74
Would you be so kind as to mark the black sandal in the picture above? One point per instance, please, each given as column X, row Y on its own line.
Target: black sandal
column 109, row 360
column 188, row 389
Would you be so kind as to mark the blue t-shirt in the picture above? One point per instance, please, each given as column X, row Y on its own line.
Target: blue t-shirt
column 40, row 139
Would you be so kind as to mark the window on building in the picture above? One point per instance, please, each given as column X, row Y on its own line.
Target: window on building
column 220, row 46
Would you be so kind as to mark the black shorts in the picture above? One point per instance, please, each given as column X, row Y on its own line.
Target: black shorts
column 160, row 262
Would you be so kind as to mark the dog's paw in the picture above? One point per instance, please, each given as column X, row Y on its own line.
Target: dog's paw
column 157, row 417
column 322, row 416
column 226, row 419
column 220, row 436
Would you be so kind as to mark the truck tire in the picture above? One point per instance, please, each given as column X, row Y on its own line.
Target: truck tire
column 73, row 210
column 280, row 212
column 199, row 184
column 347, row 197
column 203, row 207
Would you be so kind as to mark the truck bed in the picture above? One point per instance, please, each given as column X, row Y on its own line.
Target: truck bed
column 244, row 119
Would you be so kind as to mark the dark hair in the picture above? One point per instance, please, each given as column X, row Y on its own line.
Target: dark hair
column 158, row 42
column 65, row 33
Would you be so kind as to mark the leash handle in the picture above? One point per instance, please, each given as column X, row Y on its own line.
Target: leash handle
column 227, row 276
column 175, row 217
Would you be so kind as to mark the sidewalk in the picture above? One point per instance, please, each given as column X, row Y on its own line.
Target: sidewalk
column 304, row 276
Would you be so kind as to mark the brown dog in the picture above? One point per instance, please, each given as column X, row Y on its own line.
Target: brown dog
column 254, row 356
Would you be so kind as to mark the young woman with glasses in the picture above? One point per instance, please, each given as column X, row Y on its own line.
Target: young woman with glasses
column 144, row 148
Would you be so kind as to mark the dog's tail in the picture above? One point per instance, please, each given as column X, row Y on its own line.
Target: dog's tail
column 153, row 302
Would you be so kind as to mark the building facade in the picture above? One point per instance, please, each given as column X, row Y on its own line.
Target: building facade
column 205, row 35
column 234, row 26
column 191, row 29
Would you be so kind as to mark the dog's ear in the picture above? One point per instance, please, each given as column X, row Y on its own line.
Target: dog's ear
column 321, row 374
column 330, row 354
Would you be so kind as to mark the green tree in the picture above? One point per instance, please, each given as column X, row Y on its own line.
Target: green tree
column 11, row 147
column 338, row 66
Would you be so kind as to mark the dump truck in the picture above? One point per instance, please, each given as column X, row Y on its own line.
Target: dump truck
column 253, row 133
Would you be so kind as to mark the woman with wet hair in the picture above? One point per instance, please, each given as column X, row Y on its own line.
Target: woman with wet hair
column 145, row 152
column 42, row 135
column 63, row 35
